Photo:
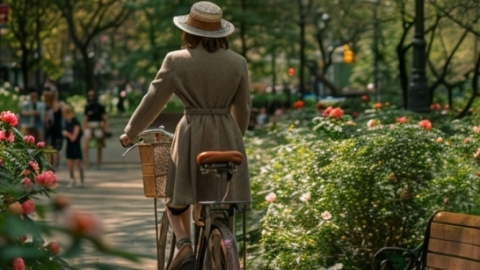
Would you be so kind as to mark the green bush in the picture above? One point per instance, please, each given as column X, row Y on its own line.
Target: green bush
column 338, row 197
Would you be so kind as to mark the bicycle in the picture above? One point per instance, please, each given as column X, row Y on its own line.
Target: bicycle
column 214, row 240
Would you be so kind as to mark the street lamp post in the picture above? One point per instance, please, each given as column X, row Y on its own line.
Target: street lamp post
column 418, row 98
column 304, row 6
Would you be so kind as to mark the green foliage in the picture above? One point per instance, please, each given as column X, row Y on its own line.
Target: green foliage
column 25, row 177
column 331, row 193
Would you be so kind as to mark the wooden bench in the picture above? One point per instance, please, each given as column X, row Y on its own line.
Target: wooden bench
column 452, row 241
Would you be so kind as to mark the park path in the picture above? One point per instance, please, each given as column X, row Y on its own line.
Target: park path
column 114, row 193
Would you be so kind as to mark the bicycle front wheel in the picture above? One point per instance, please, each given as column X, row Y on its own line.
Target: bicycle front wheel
column 221, row 248
column 166, row 243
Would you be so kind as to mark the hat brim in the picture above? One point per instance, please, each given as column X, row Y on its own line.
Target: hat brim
column 226, row 28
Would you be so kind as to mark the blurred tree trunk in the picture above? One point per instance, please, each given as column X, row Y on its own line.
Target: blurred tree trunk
column 86, row 20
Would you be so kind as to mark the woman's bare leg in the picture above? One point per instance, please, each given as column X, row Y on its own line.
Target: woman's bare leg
column 181, row 224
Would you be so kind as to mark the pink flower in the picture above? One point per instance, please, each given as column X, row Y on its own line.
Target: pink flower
column 336, row 113
column 6, row 136
column 34, row 166
column 84, row 223
column 377, row 105
column 41, row 144
column 54, row 247
column 402, row 120
column 25, row 172
column 9, row 118
column 47, row 179
column 326, row 215
column 271, row 197
column 372, row 123
column 29, row 139
column 477, row 154
column 467, row 140
column 327, row 111
column 425, row 124
column 476, row 129
column 18, row 264
column 28, row 207
column 27, row 184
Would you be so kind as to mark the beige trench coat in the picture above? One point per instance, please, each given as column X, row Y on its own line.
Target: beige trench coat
column 213, row 88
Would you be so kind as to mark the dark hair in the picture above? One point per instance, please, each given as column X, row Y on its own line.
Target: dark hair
column 210, row 44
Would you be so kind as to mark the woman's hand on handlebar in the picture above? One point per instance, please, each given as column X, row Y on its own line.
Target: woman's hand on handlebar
column 125, row 140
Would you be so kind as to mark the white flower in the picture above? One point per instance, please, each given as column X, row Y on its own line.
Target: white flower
column 326, row 215
column 305, row 197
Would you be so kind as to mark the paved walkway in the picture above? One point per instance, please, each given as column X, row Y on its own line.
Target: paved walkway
column 114, row 193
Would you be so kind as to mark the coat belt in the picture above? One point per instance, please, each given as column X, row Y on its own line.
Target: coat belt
column 207, row 111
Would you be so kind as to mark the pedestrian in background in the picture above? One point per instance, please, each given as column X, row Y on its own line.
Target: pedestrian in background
column 54, row 123
column 73, row 134
column 32, row 116
column 95, row 125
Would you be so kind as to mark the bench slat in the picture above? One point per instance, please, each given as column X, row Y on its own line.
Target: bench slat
column 455, row 233
column 455, row 249
column 449, row 263
column 457, row 219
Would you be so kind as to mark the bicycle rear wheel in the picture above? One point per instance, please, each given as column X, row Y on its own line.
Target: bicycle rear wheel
column 221, row 249
column 166, row 243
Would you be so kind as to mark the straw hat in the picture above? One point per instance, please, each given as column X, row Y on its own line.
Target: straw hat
column 205, row 20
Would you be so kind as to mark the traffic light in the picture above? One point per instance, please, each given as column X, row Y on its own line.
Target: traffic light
column 291, row 72
column 3, row 13
column 347, row 55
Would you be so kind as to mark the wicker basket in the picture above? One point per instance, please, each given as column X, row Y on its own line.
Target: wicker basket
column 154, row 158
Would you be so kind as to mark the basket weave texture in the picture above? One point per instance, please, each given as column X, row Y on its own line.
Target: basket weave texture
column 154, row 158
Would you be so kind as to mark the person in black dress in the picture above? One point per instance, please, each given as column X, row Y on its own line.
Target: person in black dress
column 73, row 133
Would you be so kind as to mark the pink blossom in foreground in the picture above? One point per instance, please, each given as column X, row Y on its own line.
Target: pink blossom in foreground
column 29, row 139
column 84, row 223
column 54, row 247
column 41, row 144
column 34, row 166
column 9, row 118
column 18, row 264
column 27, row 184
column 6, row 136
column 47, row 179
column 271, row 197
column 28, row 207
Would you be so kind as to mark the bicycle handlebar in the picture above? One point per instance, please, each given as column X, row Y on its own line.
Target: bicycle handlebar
column 150, row 136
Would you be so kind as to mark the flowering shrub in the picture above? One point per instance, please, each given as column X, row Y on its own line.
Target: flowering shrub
column 338, row 197
column 24, row 175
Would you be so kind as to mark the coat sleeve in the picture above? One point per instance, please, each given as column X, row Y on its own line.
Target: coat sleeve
column 241, row 104
column 152, row 104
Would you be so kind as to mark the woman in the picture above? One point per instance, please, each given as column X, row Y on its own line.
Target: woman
column 212, row 83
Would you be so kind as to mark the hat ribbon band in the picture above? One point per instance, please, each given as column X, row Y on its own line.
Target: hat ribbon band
column 207, row 26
